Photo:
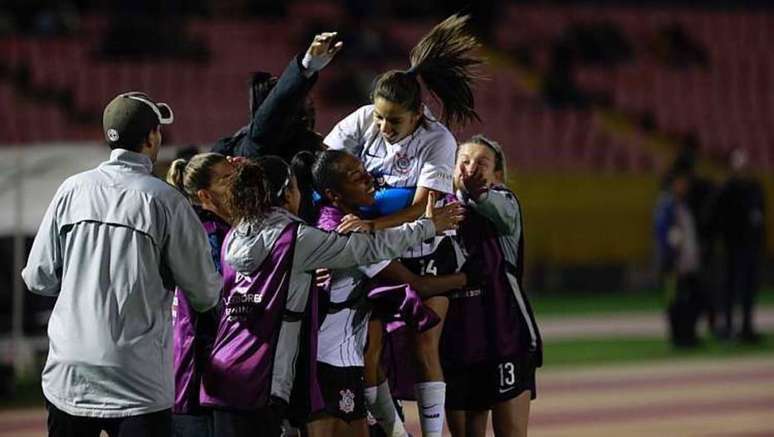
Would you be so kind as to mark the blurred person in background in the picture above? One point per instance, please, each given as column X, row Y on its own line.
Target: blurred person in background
column 679, row 259
column 113, row 244
column 701, row 199
column 740, row 214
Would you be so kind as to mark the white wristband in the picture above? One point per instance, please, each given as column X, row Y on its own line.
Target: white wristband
column 315, row 63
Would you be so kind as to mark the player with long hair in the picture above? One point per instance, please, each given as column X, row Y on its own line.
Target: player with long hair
column 491, row 344
column 202, row 178
column 345, row 187
column 411, row 154
column 273, row 255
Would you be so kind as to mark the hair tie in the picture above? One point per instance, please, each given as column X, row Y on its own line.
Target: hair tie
column 285, row 184
column 412, row 71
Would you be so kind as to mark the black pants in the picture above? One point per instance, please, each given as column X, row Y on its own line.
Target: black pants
column 684, row 311
column 264, row 422
column 61, row 424
column 741, row 288
column 199, row 425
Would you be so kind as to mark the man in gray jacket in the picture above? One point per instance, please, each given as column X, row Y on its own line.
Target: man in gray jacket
column 113, row 244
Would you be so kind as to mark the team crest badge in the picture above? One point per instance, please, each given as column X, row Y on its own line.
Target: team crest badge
column 112, row 134
column 347, row 401
column 403, row 162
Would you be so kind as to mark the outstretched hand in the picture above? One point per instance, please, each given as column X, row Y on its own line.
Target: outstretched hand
column 321, row 51
column 446, row 217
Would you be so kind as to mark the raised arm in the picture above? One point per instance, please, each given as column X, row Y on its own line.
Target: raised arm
column 271, row 122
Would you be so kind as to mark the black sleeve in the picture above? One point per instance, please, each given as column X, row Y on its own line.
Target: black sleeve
column 273, row 117
column 226, row 146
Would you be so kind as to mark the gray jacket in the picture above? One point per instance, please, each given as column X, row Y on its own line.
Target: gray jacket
column 113, row 243
column 314, row 249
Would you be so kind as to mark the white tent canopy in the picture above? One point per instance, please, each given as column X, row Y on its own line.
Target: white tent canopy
column 42, row 168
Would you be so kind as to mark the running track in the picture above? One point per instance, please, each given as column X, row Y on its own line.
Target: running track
column 713, row 398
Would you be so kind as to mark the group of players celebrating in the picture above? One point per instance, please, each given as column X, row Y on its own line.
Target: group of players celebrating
column 382, row 262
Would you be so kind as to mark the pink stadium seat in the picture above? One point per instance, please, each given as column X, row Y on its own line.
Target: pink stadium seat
column 727, row 104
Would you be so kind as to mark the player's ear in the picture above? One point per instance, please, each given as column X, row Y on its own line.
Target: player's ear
column 203, row 196
column 499, row 176
column 331, row 195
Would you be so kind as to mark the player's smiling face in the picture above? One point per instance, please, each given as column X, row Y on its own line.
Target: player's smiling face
column 393, row 120
column 473, row 158
column 356, row 186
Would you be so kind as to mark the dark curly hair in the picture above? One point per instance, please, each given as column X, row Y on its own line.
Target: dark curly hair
column 327, row 172
column 257, row 186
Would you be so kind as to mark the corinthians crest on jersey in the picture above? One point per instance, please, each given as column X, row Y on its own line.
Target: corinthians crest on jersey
column 403, row 162
column 347, row 401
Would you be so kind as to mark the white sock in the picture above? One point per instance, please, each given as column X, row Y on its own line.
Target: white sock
column 431, row 397
column 380, row 403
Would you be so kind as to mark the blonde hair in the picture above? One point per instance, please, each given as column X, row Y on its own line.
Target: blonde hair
column 494, row 146
column 190, row 176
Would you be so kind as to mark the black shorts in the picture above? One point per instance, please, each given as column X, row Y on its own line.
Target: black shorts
column 481, row 386
column 442, row 261
column 343, row 390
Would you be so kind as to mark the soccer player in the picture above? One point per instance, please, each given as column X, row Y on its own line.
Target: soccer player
column 113, row 244
column 346, row 186
column 251, row 372
column 491, row 344
column 203, row 180
column 411, row 153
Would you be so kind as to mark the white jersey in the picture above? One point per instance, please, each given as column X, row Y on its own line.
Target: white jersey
column 342, row 336
column 423, row 159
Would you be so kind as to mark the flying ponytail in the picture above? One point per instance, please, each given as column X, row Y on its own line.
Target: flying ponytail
column 445, row 62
